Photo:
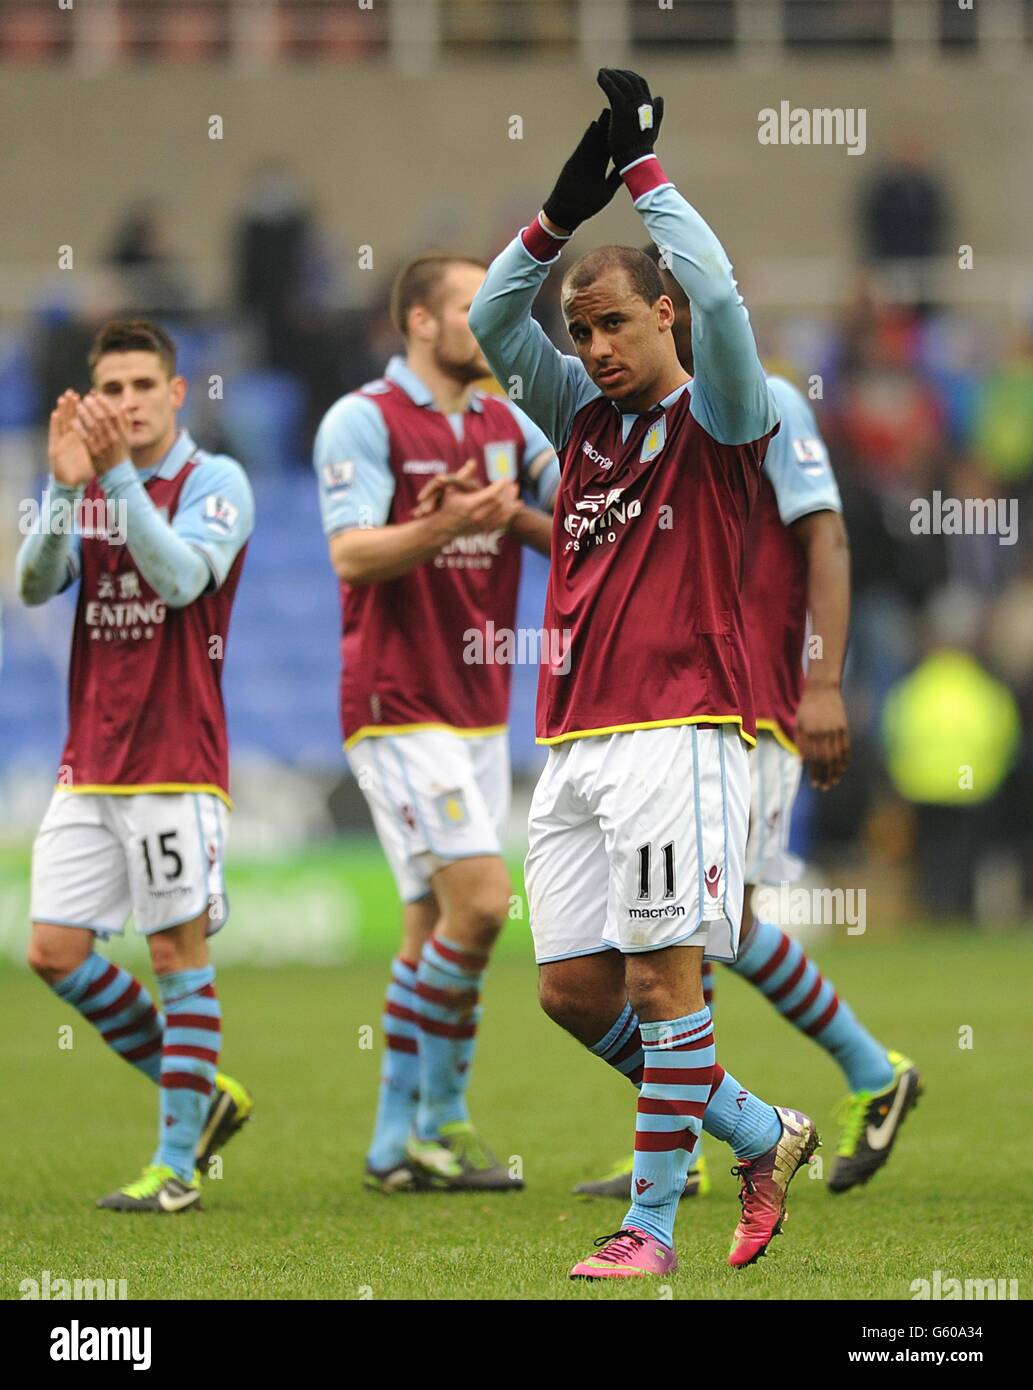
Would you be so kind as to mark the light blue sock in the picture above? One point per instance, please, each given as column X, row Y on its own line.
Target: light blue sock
column 400, row 1070
column 783, row 972
column 739, row 1118
column 447, row 992
column 679, row 1065
column 621, row 1047
column 189, row 1056
column 120, row 1008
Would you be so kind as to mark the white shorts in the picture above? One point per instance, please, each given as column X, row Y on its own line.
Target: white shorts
column 436, row 797
column 157, row 855
column 636, row 842
column 774, row 782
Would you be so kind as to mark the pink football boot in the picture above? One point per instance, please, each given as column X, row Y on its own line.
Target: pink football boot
column 764, row 1184
column 627, row 1254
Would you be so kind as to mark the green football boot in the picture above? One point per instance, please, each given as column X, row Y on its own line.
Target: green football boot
column 158, row 1188
column 459, row 1161
column 229, row 1111
column 871, row 1121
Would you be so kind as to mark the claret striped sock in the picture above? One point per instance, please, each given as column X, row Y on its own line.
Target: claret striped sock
column 447, row 993
column 679, row 1065
column 621, row 1048
column 190, row 1053
column 119, row 1007
column 400, row 1069
column 784, row 973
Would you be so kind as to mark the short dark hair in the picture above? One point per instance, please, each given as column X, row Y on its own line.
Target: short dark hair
column 133, row 335
column 419, row 283
column 641, row 272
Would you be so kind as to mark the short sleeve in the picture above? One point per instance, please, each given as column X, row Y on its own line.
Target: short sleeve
column 351, row 459
column 797, row 461
column 216, row 513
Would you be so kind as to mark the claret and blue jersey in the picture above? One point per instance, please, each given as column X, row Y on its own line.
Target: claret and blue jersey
column 651, row 516
column 403, row 639
column 797, row 480
column 145, row 700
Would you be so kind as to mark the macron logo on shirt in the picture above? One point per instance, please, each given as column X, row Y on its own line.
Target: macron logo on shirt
column 422, row 466
column 593, row 455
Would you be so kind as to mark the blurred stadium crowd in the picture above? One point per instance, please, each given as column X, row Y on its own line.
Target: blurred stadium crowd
column 914, row 398
column 193, row 31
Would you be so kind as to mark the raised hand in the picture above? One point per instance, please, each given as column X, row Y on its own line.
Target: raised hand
column 67, row 454
column 584, row 187
column 100, row 428
column 635, row 115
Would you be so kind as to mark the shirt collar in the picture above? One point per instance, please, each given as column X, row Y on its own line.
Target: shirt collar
column 667, row 401
column 399, row 371
column 183, row 448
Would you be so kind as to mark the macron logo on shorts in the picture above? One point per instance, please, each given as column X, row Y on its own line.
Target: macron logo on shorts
column 712, row 878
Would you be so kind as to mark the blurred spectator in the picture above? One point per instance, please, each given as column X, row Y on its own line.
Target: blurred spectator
column 290, row 288
column 268, row 255
column 155, row 285
column 1003, row 427
column 1010, row 652
column 904, row 217
column 952, row 734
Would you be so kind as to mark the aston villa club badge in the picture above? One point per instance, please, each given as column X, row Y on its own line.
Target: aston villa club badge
column 452, row 808
column 656, row 438
column 500, row 460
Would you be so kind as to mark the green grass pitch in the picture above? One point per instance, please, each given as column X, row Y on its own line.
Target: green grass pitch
column 288, row 1219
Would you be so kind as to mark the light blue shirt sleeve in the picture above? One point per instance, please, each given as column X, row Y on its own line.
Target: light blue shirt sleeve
column 74, row 561
column 351, row 458
column 797, row 462
column 730, row 396
column 550, row 386
column 216, row 514
column 49, row 557
column 542, row 489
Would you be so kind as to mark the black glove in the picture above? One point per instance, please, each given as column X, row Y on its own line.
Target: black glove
column 627, row 94
column 583, row 188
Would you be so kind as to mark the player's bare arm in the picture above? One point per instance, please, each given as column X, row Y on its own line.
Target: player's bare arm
column 532, row 528
column 821, row 722
column 371, row 555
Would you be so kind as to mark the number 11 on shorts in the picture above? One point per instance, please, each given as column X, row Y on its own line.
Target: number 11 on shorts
column 644, row 870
